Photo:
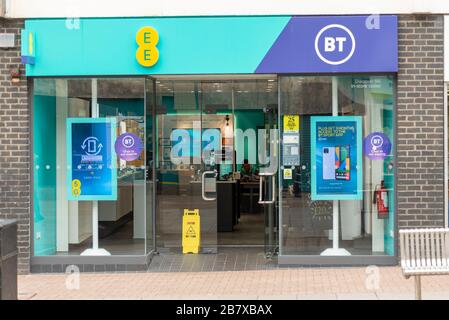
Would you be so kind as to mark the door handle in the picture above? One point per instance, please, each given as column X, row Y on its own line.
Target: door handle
column 203, row 182
column 273, row 188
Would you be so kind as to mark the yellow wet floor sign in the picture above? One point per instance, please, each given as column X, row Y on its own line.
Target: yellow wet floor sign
column 191, row 231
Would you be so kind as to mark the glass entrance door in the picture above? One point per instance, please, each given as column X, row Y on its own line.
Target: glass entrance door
column 206, row 157
column 255, row 112
column 192, row 117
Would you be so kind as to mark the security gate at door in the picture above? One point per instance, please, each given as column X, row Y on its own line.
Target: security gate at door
column 191, row 231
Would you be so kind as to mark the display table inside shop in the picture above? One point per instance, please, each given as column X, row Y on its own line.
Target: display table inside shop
column 228, row 206
column 114, row 214
column 142, row 206
column 227, row 203
column 249, row 196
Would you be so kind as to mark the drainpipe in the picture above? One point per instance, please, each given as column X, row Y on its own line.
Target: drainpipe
column 5, row 8
column 2, row 8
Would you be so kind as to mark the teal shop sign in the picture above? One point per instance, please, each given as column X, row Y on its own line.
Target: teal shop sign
column 186, row 45
column 212, row 45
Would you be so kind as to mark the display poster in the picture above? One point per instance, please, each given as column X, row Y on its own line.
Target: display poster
column 336, row 144
column 291, row 141
column 290, row 149
column 92, row 163
column 288, row 174
column 128, row 146
column 291, row 123
column 376, row 146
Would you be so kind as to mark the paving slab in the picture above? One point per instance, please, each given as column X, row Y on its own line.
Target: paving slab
column 357, row 296
column 279, row 297
column 286, row 284
column 328, row 296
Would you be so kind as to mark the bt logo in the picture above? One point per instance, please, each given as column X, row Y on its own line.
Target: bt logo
column 377, row 142
column 335, row 44
column 128, row 142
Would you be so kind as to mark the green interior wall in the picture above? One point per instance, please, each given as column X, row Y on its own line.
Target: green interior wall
column 125, row 107
column 244, row 120
column 44, row 193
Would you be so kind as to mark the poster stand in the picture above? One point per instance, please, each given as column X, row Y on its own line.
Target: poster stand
column 335, row 250
column 95, row 250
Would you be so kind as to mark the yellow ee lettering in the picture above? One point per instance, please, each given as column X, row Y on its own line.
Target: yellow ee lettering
column 147, row 37
column 147, row 54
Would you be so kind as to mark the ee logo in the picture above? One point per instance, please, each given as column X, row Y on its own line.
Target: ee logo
column 335, row 44
column 76, row 187
column 147, row 54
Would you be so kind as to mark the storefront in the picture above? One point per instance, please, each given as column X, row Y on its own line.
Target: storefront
column 281, row 130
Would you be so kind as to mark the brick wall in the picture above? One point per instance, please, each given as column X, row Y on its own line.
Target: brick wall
column 420, row 122
column 15, row 144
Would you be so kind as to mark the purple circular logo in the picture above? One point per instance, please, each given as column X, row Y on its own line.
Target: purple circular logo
column 128, row 146
column 376, row 146
column 334, row 44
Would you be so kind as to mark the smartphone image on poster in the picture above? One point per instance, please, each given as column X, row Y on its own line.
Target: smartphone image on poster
column 342, row 163
column 329, row 163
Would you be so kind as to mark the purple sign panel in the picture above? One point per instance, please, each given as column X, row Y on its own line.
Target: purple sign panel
column 376, row 146
column 128, row 146
column 334, row 44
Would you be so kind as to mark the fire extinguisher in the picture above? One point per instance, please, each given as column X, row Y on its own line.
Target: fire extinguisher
column 381, row 200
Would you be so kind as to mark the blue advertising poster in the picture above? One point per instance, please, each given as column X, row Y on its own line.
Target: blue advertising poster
column 336, row 158
column 92, row 173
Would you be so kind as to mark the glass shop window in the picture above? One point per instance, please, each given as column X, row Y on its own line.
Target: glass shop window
column 338, row 164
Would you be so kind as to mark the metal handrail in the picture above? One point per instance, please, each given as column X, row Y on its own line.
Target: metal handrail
column 203, row 191
column 273, row 186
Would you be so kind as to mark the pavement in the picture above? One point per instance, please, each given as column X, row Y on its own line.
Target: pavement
column 372, row 283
